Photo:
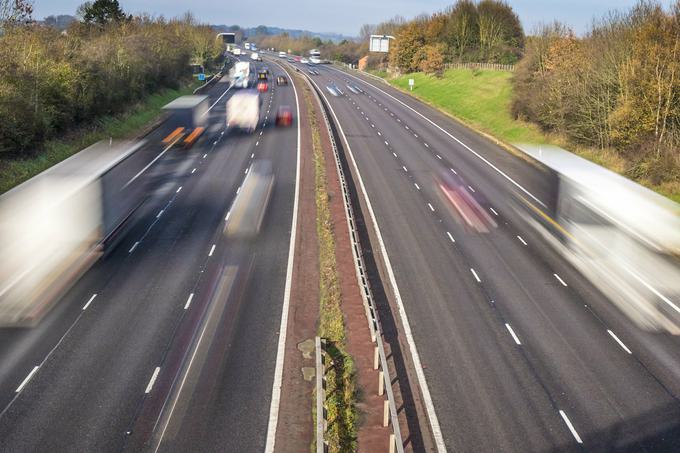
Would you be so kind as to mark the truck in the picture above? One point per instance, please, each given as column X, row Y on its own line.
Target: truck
column 240, row 74
column 249, row 207
column 243, row 111
column 54, row 226
column 188, row 118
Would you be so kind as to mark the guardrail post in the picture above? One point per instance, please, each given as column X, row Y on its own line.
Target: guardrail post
column 376, row 358
column 320, row 398
column 381, row 383
column 386, row 413
column 393, row 443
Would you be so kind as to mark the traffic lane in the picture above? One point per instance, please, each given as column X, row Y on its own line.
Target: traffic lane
column 475, row 373
column 98, row 373
column 583, row 357
column 235, row 389
column 658, row 352
column 21, row 349
column 514, row 168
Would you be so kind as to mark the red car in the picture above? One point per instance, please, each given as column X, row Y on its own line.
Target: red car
column 262, row 87
column 284, row 116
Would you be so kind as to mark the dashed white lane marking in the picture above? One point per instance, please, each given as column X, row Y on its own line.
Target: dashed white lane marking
column 193, row 171
column 407, row 128
column 415, row 135
column 521, row 240
column 205, row 155
column 571, row 427
column 212, row 249
column 186, row 305
column 178, row 190
column 405, row 169
column 261, row 133
column 28, row 378
column 625, row 348
column 512, row 332
column 252, row 155
column 454, row 171
column 379, row 133
column 245, row 172
column 494, row 211
column 152, row 381
column 134, row 246
column 451, row 237
column 394, row 154
column 386, row 144
column 471, row 189
column 238, row 190
column 560, row 279
column 398, row 120
column 431, row 207
column 475, row 274
column 439, row 157
column 257, row 143
column 372, row 125
column 426, row 145
column 417, row 186
column 89, row 301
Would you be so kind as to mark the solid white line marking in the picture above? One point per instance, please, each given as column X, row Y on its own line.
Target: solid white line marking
column 475, row 274
column 212, row 249
column 405, row 169
column 218, row 100
column 451, row 237
column 281, row 347
column 191, row 296
column 149, row 386
column 160, row 213
column 431, row 208
column 512, row 332
column 228, row 214
column 245, row 172
column 625, row 348
column 134, row 246
column 417, row 186
column 522, row 240
column 494, row 211
column 571, row 427
column 560, row 279
column 180, row 188
column 238, row 190
column 89, row 302
column 28, row 378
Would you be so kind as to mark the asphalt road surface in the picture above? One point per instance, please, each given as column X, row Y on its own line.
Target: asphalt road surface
column 108, row 349
column 519, row 352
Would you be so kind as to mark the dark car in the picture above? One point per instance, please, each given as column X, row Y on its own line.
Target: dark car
column 261, row 75
column 281, row 80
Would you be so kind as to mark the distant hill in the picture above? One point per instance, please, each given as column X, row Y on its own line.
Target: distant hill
column 267, row 30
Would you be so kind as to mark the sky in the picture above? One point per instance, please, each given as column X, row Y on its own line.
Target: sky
column 343, row 16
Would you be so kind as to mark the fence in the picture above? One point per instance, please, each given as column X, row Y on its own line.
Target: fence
column 487, row 66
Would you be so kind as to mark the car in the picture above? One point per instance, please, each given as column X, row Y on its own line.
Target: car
column 304, row 61
column 291, row 60
column 284, row 116
column 261, row 75
column 281, row 80
column 255, row 56
column 354, row 89
column 315, row 60
column 262, row 87
column 334, row 90
column 282, row 54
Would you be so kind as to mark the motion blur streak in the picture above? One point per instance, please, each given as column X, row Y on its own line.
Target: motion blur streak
column 621, row 236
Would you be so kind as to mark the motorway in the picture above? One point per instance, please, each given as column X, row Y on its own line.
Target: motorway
column 95, row 373
column 518, row 351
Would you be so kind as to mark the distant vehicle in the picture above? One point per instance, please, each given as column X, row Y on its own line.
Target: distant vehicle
column 314, row 53
column 354, row 89
column 253, row 46
column 284, row 116
column 261, row 75
column 255, row 56
column 304, row 60
column 315, row 60
column 237, row 51
column 250, row 206
column 313, row 71
column 243, row 110
column 291, row 60
column 334, row 90
column 282, row 54
column 187, row 118
column 263, row 87
column 281, row 80
column 54, row 226
column 246, row 46
column 297, row 58
column 240, row 74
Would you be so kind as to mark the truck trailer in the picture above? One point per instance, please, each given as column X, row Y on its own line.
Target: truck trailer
column 243, row 111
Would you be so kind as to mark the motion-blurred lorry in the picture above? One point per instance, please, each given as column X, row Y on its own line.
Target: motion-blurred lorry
column 243, row 110
column 188, row 119
column 250, row 205
column 240, row 74
column 621, row 236
column 55, row 225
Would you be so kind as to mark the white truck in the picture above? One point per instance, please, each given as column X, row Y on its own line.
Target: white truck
column 243, row 111
column 240, row 74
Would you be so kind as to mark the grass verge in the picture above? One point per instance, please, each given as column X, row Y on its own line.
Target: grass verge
column 341, row 393
column 125, row 125
column 481, row 99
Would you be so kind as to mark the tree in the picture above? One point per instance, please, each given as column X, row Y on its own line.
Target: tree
column 15, row 12
column 432, row 60
column 409, row 42
column 462, row 28
column 500, row 31
column 102, row 12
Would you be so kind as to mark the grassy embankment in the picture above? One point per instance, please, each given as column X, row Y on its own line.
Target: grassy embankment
column 340, row 378
column 482, row 100
column 126, row 125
